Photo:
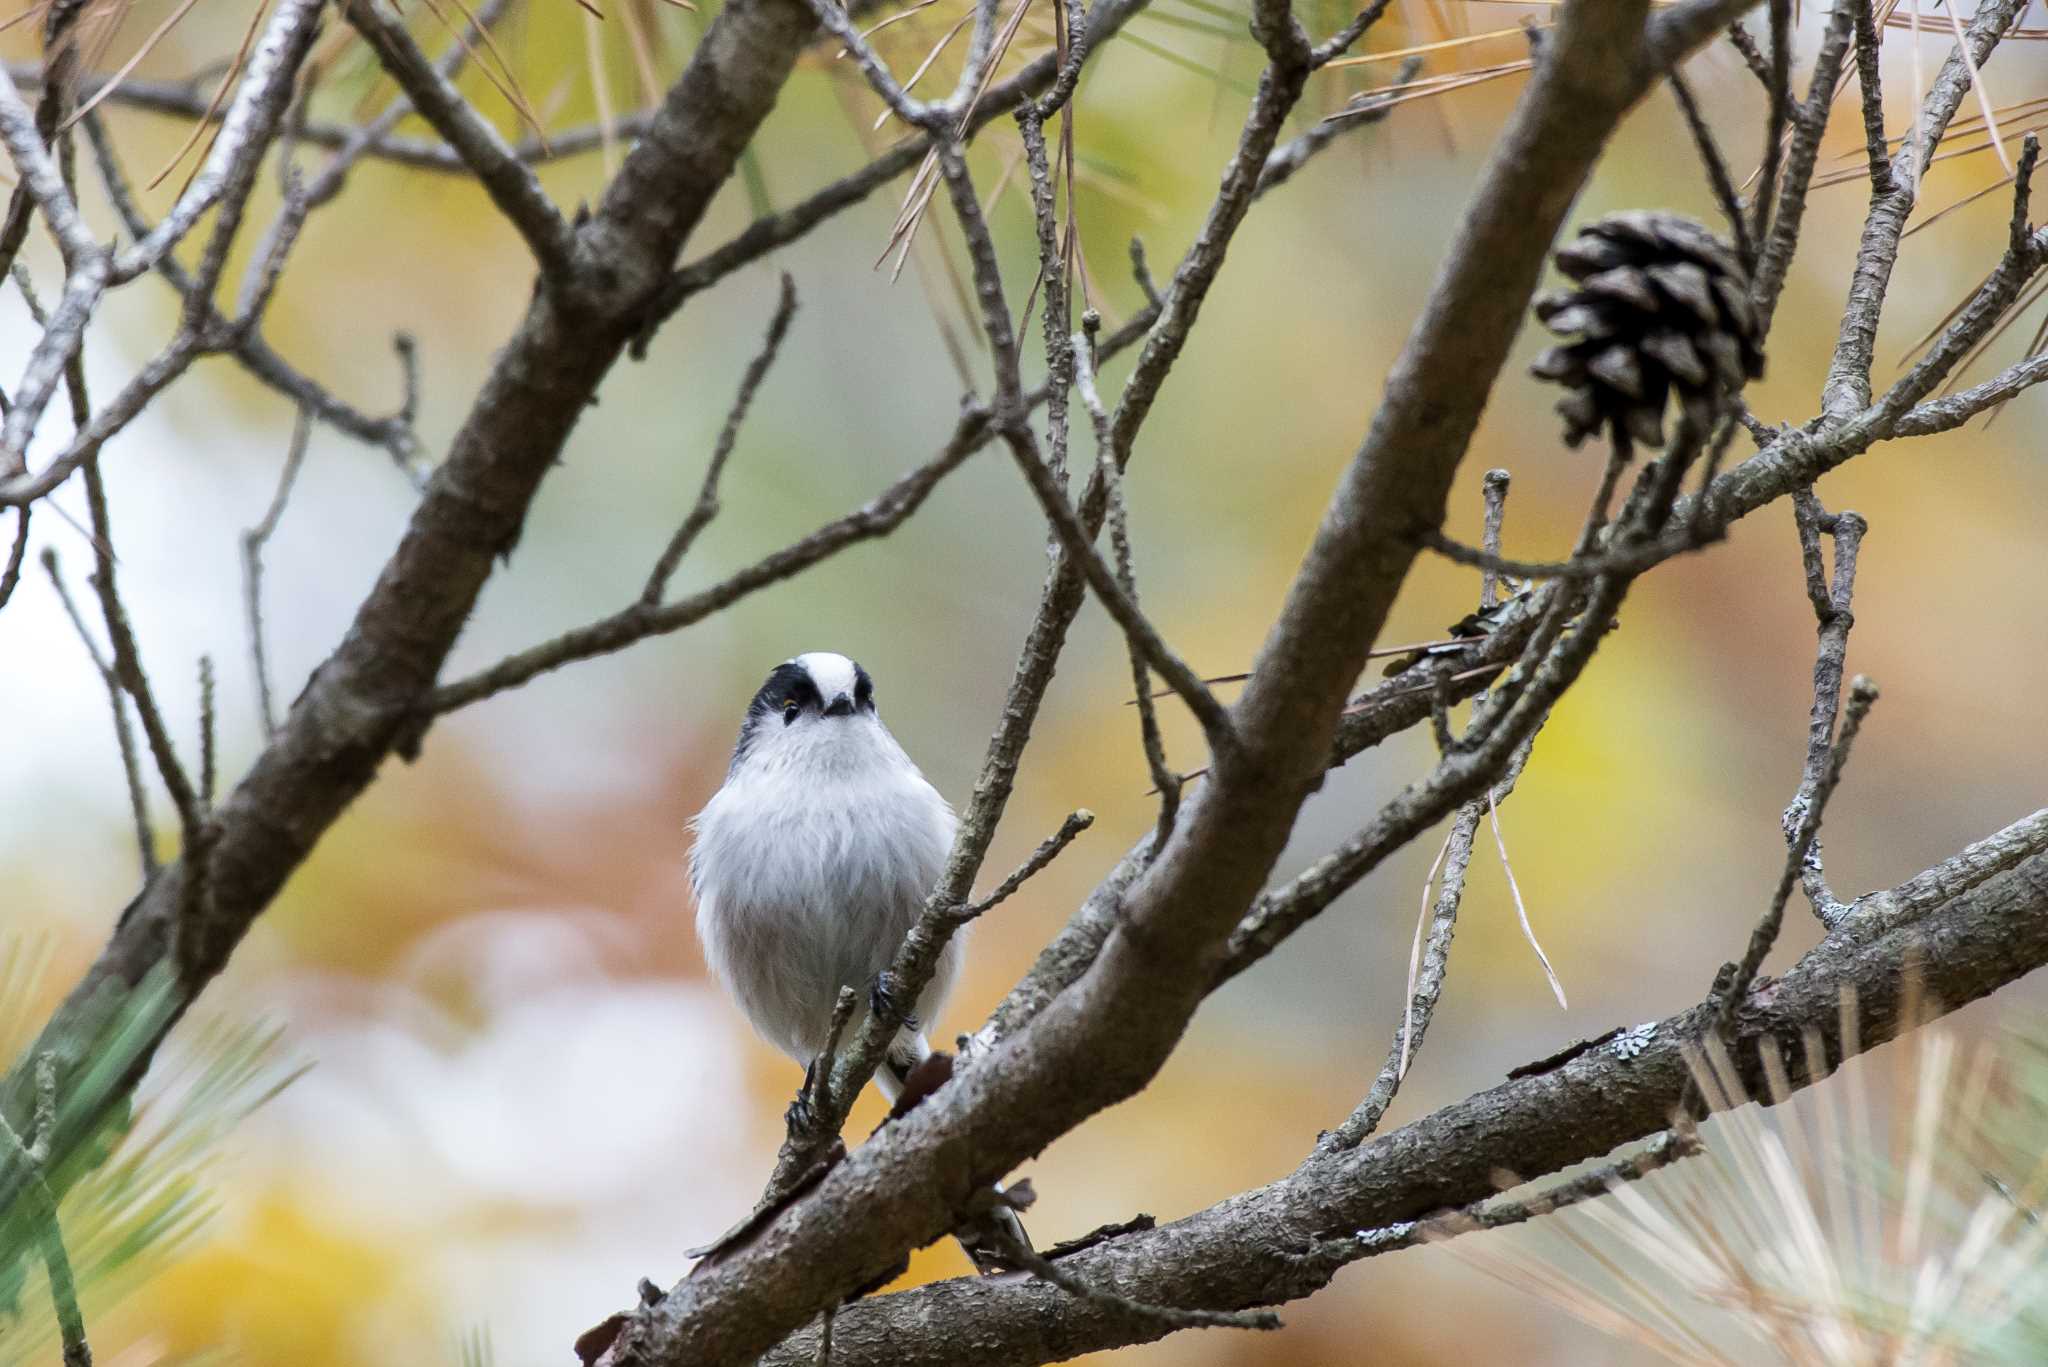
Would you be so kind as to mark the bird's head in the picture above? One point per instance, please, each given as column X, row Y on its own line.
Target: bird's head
column 814, row 705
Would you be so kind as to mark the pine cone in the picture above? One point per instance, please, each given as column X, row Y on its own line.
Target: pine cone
column 1662, row 307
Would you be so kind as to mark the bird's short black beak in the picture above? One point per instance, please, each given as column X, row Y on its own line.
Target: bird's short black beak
column 842, row 706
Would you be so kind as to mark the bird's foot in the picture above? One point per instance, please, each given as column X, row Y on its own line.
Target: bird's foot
column 885, row 999
column 801, row 1118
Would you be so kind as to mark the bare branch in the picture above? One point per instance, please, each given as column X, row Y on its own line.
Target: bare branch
column 1831, row 607
column 1779, row 89
column 1848, row 383
column 126, row 664
column 1664, row 1149
column 1073, row 533
column 117, row 703
column 1870, row 81
column 1738, row 978
column 208, row 760
column 707, row 497
column 1146, row 979
column 1809, row 123
column 510, row 182
column 253, row 541
column 1977, row 317
column 225, row 178
column 1287, row 1239
column 1339, row 43
column 1047, row 851
column 41, row 179
column 1952, row 411
column 1426, row 975
column 1164, row 1318
column 10, row 574
column 1716, row 166
column 246, row 343
column 775, row 230
column 246, row 130
column 183, row 99
column 877, row 517
column 1426, row 968
column 363, row 700
column 60, row 63
column 1165, row 781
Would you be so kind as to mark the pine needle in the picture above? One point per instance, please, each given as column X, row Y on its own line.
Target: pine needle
column 1442, row 44
column 1521, row 911
column 127, row 68
column 220, row 94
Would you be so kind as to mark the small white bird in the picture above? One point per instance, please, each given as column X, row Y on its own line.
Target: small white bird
column 815, row 858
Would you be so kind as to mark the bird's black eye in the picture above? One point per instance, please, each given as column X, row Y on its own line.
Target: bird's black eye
column 790, row 707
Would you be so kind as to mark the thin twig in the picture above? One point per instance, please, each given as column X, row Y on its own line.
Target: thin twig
column 256, row 356
column 510, row 182
column 636, row 622
column 126, row 662
column 10, row 574
column 1780, row 113
column 1017, row 435
column 208, row 761
column 1718, row 179
column 117, row 702
column 1426, row 971
column 1168, row 1316
column 1869, row 78
column 1738, row 978
column 1833, row 619
column 1847, row 390
column 706, row 507
column 222, row 183
column 1788, row 211
column 1165, row 782
column 1048, row 850
column 1752, row 56
column 253, row 541
column 1666, row 1148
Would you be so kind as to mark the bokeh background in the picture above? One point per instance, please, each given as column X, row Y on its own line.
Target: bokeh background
column 526, row 1092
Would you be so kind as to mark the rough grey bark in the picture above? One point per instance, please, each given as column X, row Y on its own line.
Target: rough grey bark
column 1284, row 1241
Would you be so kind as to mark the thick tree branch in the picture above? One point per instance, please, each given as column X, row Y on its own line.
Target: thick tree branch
column 1102, row 1038
column 1286, row 1240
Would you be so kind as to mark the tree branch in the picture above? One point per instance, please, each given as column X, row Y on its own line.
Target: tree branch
column 1848, row 383
column 1286, row 1240
column 1102, row 1039
column 253, row 541
column 225, row 178
column 510, row 183
column 1831, row 608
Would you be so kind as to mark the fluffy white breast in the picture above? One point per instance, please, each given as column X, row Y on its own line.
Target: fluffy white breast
column 812, row 862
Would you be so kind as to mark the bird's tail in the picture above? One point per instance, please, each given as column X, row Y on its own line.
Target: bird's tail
column 906, row 1052
column 992, row 1237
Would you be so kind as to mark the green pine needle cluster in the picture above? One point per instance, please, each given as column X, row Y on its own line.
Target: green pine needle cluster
column 129, row 1174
